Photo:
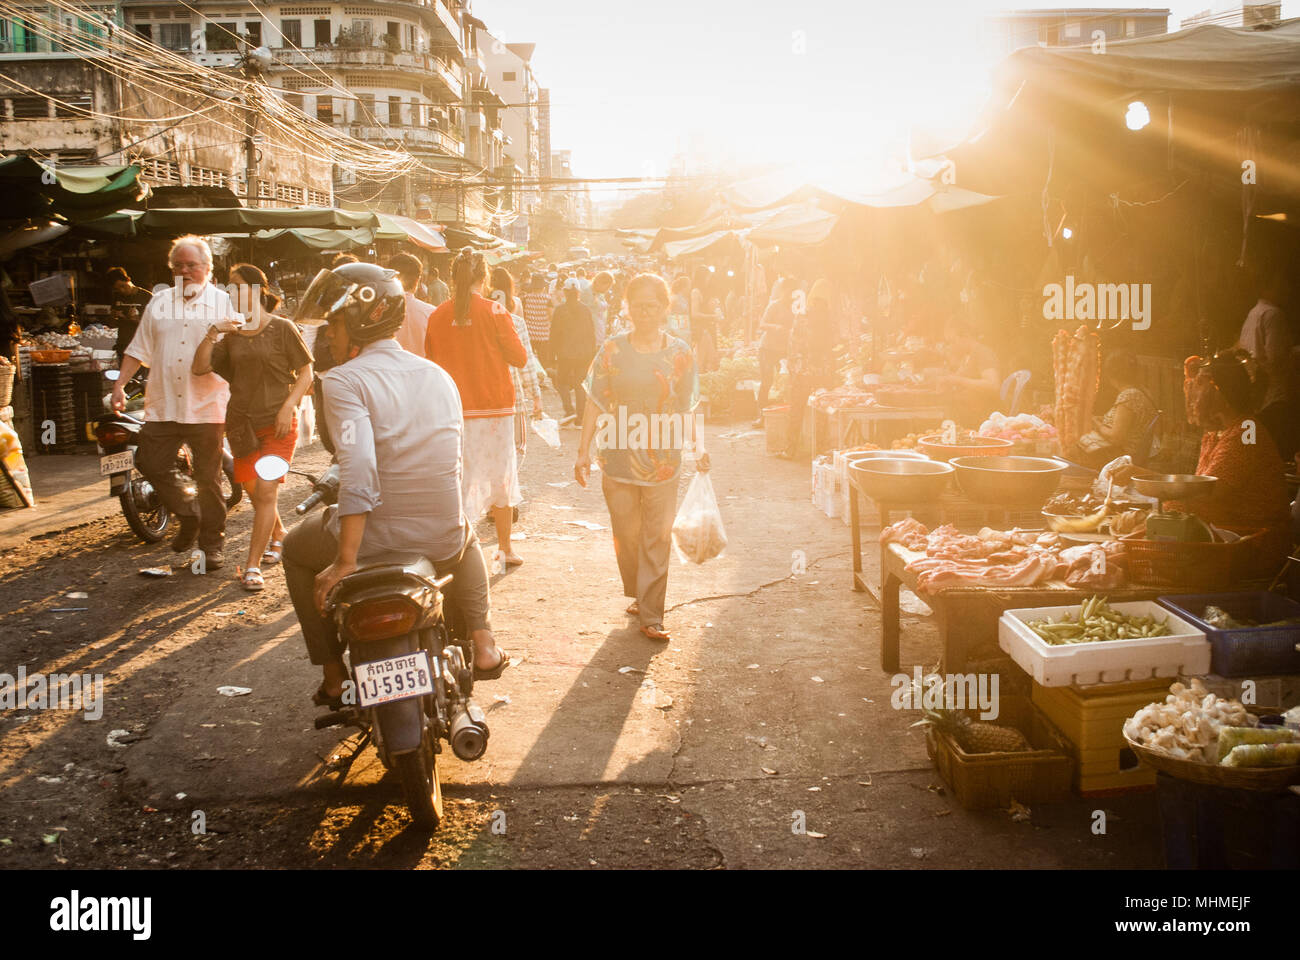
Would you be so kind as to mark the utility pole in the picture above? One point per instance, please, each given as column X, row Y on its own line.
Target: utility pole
column 251, row 63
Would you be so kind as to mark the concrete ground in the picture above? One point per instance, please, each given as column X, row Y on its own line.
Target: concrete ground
column 762, row 735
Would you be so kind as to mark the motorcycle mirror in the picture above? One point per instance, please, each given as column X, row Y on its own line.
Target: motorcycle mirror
column 111, row 375
column 271, row 467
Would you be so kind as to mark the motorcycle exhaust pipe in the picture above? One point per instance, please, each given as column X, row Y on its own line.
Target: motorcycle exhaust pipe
column 469, row 732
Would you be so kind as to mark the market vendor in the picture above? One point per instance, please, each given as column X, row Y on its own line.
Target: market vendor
column 128, row 303
column 974, row 380
column 1123, row 428
column 1240, row 452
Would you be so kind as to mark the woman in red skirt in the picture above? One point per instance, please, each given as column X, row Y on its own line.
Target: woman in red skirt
column 268, row 367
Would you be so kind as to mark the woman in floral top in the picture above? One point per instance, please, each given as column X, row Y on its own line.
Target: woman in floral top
column 642, row 390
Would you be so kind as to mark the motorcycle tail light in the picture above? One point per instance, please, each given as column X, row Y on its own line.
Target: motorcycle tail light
column 111, row 435
column 381, row 619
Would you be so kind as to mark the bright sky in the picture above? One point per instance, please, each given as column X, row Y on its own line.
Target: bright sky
column 817, row 83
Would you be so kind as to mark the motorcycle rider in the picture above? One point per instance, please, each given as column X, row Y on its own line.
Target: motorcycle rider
column 397, row 427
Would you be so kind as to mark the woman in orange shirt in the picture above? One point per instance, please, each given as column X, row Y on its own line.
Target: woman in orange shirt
column 474, row 340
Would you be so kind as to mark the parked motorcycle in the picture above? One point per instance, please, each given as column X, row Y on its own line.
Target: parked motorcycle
column 410, row 659
column 118, row 435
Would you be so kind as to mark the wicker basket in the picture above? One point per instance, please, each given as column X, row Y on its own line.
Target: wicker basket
column 1191, row 567
column 1240, row 778
column 986, row 780
column 7, row 371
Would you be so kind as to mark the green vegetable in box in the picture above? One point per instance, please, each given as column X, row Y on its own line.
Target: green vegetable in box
column 719, row 386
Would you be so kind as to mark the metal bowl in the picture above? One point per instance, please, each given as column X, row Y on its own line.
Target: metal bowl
column 934, row 447
column 1173, row 486
column 900, row 480
column 1008, row 480
column 854, row 455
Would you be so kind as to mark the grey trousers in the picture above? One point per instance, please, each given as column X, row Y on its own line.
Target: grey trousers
column 642, row 521
column 155, row 458
column 310, row 547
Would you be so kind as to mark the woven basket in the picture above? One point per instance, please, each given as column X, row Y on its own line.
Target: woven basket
column 7, row 371
column 1191, row 566
column 1240, row 778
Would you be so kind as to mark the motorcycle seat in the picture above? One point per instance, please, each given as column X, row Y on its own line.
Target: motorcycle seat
column 394, row 567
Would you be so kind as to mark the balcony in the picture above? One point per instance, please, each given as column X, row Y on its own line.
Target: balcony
column 377, row 57
column 430, row 138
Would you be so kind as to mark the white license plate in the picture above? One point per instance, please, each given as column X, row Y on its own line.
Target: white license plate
column 116, row 463
column 396, row 678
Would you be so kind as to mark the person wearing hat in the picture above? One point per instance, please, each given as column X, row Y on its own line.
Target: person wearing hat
column 811, row 358
column 573, row 341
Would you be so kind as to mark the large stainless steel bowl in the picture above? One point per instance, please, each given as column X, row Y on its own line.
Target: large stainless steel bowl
column 1173, row 486
column 853, row 455
column 900, row 480
column 1008, row 480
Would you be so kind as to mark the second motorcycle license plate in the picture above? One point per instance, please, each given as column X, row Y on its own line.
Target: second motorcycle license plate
column 116, row 463
column 395, row 678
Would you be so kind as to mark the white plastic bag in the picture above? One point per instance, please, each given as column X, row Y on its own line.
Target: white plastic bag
column 548, row 430
column 697, row 530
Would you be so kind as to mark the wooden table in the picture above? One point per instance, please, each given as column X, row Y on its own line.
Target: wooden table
column 842, row 419
column 968, row 616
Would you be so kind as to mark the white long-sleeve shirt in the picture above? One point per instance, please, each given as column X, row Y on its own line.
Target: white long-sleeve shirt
column 397, row 427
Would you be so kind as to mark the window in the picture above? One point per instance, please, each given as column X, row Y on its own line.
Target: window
column 508, row 76
column 30, row 108
column 409, row 33
column 174, row 36
column 1073, row 30
column 321, row 33
column 292, row 194
column 366, row 109
column 207, row 177
column 144, row 30
column 325, row 109
column 265, row 190
column 254, row 30
column 291, row 31
column 26, row 40
column 1130, row 27
column 361, row 28
column 294, row 100
column 395, row 112
column 220, row 36
column 77, row 106
column 395, row 30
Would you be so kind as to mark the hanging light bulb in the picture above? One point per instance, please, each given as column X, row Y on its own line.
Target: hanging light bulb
column 1067, row 233
column 1137, row 116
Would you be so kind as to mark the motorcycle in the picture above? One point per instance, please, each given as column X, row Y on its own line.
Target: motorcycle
column 117, row 436
column 410, row 663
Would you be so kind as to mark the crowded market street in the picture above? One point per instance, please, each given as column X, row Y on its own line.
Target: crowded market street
column 605, row 751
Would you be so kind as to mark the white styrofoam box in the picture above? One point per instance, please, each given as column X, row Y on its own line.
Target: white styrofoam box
column 1186, row 650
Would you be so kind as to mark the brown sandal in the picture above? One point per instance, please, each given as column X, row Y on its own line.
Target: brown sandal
column 632, row 609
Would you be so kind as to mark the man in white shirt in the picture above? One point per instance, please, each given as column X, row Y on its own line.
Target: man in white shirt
column 411, row 334
column 179, row 407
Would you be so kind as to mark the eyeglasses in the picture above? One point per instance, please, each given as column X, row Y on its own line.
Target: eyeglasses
column 645, row 306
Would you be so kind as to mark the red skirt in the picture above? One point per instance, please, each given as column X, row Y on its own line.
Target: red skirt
column 268, row 446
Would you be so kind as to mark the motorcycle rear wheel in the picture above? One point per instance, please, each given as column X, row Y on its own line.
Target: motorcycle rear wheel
column 145, row 513
column 421, row 785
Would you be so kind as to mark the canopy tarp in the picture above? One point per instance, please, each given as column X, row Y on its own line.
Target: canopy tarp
column 428, row 236
column 798, row 225
column 36, row 190
column 177, row 221
column 718, row 243
column 468, row 236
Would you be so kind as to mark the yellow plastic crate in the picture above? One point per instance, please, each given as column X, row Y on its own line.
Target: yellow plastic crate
column 1092, row 720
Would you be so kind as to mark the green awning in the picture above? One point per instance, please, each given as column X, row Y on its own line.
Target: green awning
column 305, row 241
column 178, row 221
column 33, row 189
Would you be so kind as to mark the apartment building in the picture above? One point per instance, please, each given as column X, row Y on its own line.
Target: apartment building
column 1070, row 26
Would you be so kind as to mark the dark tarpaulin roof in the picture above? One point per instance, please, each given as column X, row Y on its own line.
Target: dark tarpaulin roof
column 35, row 190
column 177, row 221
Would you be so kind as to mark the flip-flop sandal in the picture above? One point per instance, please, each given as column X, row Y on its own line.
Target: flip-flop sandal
column 252, row 580
column 632, row 609
column 513, row 561
column 323, row 699
column 655, row 633
column 273, row 553
column 492, row 673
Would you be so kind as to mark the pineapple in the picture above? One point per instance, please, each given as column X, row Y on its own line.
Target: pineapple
column 975, row 736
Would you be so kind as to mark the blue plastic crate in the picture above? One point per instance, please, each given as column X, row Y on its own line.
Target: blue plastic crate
column 1245, row 651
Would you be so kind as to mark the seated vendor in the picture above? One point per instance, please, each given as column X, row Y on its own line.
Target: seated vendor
column 1251, row 492
column 974, row 381
column 1123, row 428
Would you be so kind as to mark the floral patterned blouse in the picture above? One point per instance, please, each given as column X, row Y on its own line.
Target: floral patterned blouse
column 645, row 400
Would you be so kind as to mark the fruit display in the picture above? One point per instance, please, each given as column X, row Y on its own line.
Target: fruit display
column 910, row 441
column 1022, row 428
column 1098, row 622
column 1076, row 362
